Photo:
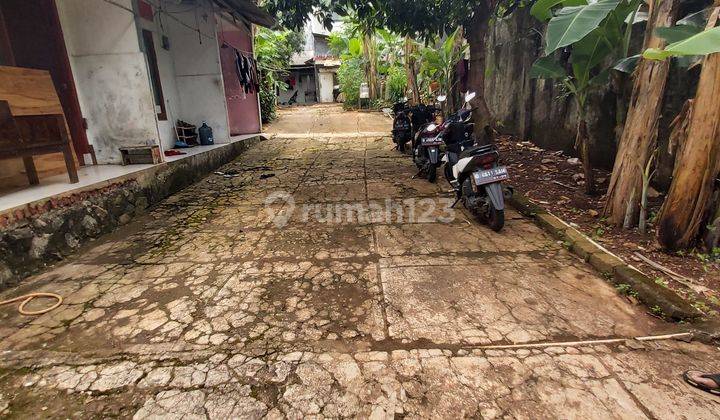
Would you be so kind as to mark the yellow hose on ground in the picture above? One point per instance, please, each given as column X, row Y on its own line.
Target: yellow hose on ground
column 31, row 296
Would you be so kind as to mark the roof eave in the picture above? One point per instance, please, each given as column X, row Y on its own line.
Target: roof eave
column 249, row 11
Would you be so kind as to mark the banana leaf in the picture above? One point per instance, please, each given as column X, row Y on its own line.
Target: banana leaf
column 627, row 64
column 573, row 23
column 677, row 33
column 542, row 9
column 703, row 43
column 698, row 19
column 546, row 68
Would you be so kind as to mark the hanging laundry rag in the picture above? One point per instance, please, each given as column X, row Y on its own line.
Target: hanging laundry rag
column 246, row 68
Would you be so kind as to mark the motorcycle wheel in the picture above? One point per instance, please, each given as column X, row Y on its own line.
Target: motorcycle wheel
column 466, row 191
column 447, row 170
column 416, row 158
column 495, row 218
column 431, row 173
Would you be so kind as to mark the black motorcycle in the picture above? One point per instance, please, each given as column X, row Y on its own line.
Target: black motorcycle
column 475, row 172
column 402, row 124
column 427, row 142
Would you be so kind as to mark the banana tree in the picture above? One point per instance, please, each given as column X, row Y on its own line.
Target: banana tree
column 592, row 36
column 439, row 63
column 691, row 206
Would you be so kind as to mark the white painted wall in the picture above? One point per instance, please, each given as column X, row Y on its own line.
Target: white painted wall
column 110, row 75
column 198, row 75
column 166, row 67
column 325, row 81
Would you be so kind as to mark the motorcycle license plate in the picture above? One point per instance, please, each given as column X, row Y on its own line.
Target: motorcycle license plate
column 489, row 176
column 431, row 142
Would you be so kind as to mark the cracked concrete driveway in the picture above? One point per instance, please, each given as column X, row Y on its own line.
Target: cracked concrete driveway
column 323, row 281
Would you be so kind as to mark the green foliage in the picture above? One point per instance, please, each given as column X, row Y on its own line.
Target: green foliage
column 348, row 45
column 657, row 311
column 688, row 40
column 542, row 9
column 547, row 68
column 438, row 63
column 698, row 19
column 273, row 50
column 396, row 83
column 701, row 306
column 626, row 290
column 420, row 19
column 337, row 43
column 390, row 47
column 267, row 104
column 351, row 71
column 344, row 44
column 573, row 23
column 661, row 281
column 597, row 32
column 350, row 75
column 292, row 14
column 627, row 65
column 701, row 43
column 677, row 33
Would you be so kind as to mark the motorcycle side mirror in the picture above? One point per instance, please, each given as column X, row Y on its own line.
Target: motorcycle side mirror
column 430, row 128
column 442, row 98
column 469, row 96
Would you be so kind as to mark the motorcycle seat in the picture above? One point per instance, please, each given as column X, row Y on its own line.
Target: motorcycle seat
column 477, row 150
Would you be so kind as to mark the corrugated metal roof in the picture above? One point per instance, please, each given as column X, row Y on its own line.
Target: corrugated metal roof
column 249, row 11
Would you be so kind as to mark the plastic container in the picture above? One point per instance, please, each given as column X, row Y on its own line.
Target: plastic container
column 206, row 135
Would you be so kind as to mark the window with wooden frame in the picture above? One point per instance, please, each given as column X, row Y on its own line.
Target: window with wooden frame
column 154, row 75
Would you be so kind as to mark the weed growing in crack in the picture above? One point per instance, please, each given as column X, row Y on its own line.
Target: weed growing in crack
column 661, row 281
column 626, row 290
column 657, row 311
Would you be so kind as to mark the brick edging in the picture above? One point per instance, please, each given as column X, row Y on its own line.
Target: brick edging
column 652, row 295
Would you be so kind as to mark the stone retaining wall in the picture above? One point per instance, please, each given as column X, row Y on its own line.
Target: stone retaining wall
column 49, row 230
column 541, row 110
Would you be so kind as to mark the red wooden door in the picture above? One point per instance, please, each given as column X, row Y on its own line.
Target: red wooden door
column 35, row 37
column 243, row 109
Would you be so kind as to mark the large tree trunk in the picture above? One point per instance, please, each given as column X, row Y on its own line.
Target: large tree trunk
column 639, row 136
column 371, row 59
column 454, row 96
column 411, row 70
column 688, row 205
column 711, row 238
column 476, row 32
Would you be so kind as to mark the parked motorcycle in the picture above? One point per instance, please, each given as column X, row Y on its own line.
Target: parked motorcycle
column 426, row 145
column 402, row 125
column 474, row 171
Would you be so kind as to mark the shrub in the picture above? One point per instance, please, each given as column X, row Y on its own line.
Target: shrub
column 396, row 83
column 350, row 76
column 274, row 50
column 268, row 100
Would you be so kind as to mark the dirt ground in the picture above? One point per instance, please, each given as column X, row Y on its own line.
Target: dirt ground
column 315, row 278
column 550, row 180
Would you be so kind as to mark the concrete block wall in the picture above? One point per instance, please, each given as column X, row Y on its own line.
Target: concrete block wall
column 110, row 74
column 198, row 74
